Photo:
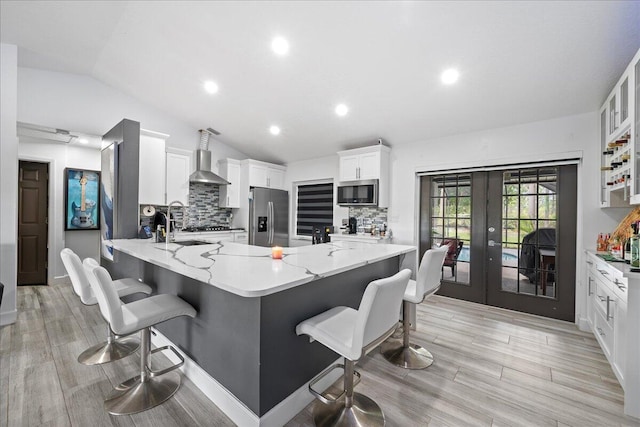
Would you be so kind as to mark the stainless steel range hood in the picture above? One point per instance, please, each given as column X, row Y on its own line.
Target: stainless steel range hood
column 203, row 172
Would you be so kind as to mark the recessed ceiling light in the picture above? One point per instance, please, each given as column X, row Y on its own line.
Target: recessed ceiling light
column 211, row 87
column 83, row 140
column 342, row 110
column 449, row 76
column 280, row 45
column 275, row 130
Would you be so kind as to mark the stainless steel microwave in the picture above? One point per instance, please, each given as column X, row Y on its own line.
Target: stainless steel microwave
column 358, row 193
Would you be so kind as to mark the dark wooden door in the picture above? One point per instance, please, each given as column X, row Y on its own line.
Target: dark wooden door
column 33, row 201
column 518, row 233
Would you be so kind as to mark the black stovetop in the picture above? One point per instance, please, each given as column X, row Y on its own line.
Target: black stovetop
column 207, row 228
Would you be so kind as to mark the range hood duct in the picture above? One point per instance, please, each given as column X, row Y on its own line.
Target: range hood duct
column 203, row 172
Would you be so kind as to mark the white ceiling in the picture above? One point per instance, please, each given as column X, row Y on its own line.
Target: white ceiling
column 519, row 62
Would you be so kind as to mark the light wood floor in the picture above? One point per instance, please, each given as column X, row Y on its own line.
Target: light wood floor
column 493, row 368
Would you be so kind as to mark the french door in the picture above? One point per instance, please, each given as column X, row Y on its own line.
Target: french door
column 514, row 233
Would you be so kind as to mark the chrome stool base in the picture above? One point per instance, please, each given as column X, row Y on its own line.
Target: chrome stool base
column 133, row 396
column 106, row 352
column 363, row 412
column 411, row 357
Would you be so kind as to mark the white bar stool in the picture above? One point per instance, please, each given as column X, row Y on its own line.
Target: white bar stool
column 112, row 349
column 403, row 353
column 150, row 388
column 352, row 334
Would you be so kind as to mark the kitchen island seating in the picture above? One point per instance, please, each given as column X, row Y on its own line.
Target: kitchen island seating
column 352, row 334
column 150, row 388
column 112, row 349
column 403, row 353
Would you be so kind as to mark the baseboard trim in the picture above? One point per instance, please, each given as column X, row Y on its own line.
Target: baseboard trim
column 279, row 415
column 60, row 280
column 215, row 392
column 583, row 324
column 284, row 411
column 8, row 318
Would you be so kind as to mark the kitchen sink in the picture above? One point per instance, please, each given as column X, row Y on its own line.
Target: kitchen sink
column 192, row 243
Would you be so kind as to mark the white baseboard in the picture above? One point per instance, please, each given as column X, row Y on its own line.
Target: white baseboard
column 583, row 324
column 231, row 405
column 216, row 392
column 284, row 411
column 59, row 280
column 8, row 318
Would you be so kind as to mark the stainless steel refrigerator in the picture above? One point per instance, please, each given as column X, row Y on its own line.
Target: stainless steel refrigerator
column 269, row 217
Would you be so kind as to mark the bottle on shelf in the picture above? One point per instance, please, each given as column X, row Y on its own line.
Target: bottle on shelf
column 599, row 243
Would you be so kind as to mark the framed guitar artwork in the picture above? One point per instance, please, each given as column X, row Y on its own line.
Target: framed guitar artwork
column 81, row 199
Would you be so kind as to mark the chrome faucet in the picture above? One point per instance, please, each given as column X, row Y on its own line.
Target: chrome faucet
column 171, row 235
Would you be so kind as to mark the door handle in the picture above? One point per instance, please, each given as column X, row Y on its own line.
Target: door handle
column 589, row 286
column 609, row 309
column 270, row 220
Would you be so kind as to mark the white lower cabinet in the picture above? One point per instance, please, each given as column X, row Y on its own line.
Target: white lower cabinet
column 613, row 313
column 620, row 340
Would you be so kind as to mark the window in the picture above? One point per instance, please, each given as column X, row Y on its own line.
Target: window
column 451, row 221
column 314, row 207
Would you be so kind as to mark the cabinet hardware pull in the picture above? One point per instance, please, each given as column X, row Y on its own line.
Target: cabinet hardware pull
column 609, row 317
column 602, row 271
column 590, row 262
column 589, row 287
column 621, row 286
column 600, row 331
column 601, row 298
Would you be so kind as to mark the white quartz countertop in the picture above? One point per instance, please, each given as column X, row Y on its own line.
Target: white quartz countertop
column 249, row 271
column 624, row 268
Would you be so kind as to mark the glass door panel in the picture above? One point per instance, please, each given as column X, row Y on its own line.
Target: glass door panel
column 451, row 224
column 512, row 252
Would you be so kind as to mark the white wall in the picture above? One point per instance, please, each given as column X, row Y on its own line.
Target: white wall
column 83, row 104
column 550, row 139
column 60, row 156
column 8, row 181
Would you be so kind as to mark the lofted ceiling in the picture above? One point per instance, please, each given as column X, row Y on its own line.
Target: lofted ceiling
column 518, row 61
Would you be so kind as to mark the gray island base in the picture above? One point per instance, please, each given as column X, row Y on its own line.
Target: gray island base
column 245, row 340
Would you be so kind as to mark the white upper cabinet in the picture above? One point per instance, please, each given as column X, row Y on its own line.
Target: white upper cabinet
column 152, row 172
column 349, row 167
column 369, row 166
column 365, row 164
column 178, row 171
column 619, row 123
column 275, row 178
column 262, row 174
column 229, row 169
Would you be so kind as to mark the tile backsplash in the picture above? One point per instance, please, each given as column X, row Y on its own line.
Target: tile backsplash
column 203, row 209
column 203, row 205
column 368, row 216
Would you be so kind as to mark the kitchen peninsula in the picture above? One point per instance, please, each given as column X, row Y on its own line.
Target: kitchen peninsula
column 248, row 305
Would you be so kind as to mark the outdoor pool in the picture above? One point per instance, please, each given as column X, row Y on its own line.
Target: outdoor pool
column 508, row 256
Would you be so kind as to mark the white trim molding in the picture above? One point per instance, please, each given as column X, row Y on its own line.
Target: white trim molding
column 232, row 407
